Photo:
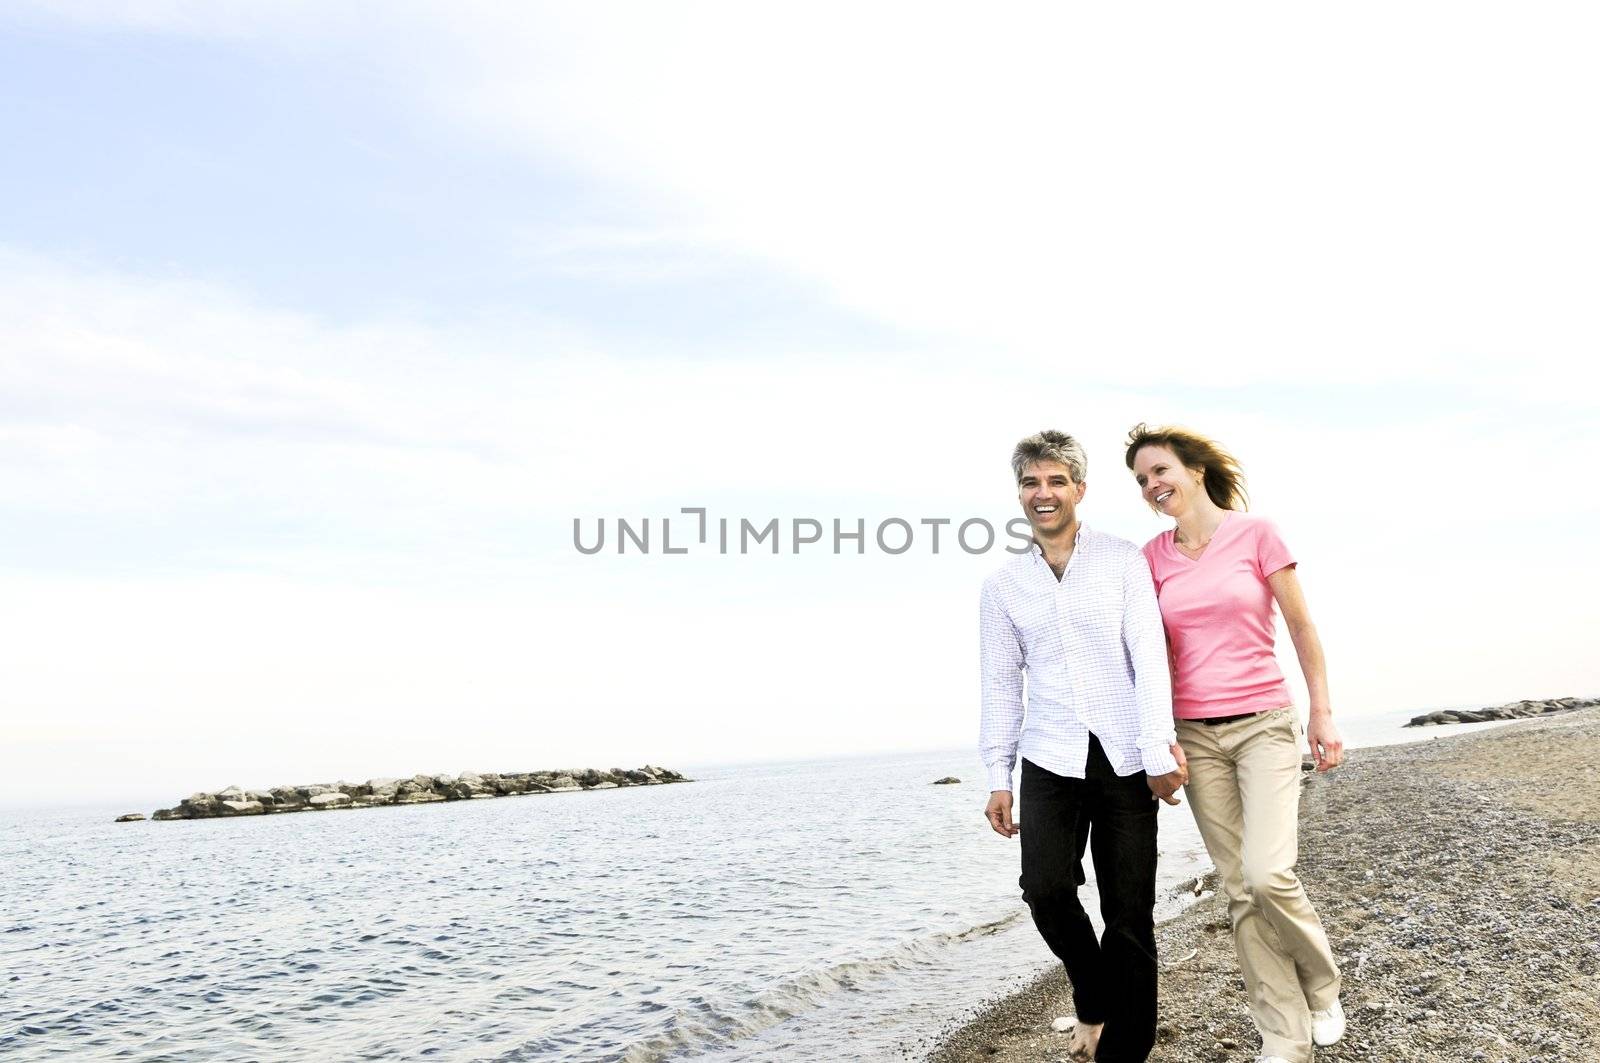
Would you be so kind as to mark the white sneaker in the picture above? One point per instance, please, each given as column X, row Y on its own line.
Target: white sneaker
column 1327, row 1026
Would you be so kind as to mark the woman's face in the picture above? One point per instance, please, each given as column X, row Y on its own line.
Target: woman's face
column 1168, row 486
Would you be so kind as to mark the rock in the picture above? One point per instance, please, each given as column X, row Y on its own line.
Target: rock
column 1511, row 710
column 166, row 814
column 330, row 799
column 1064, row 1023
column 418, row 797
column 470, row 784
column 564, row 782
column 240, row 808
column 288, row 798
column 948, row 780
column 130, row 817
column 198, row 806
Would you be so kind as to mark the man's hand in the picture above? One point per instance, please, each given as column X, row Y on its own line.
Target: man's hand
column 1326, row 746
column 998, row 813
column 1166, row 786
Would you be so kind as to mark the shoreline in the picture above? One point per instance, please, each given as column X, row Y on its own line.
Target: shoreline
column 1459, row 882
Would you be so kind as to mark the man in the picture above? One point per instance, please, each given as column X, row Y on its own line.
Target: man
column 1077, row 614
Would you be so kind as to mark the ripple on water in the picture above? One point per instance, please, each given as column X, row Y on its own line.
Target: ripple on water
column 500, row 930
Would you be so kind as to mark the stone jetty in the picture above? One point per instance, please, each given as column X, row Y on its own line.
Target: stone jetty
column 417, row 790
column 1515, row 710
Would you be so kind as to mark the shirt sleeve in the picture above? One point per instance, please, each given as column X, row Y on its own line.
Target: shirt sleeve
column 1272, row 553
column 1146, row 642
column 1001, row 658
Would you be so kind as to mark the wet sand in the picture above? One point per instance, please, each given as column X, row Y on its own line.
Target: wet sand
column 1459, row 881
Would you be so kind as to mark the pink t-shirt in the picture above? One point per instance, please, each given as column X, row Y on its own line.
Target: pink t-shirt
column 1219, row 617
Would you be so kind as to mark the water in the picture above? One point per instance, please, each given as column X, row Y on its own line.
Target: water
column 837, row 910
column 824, row 910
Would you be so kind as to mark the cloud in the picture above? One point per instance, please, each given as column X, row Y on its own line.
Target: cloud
column 1216, row 195
column 1213, row 195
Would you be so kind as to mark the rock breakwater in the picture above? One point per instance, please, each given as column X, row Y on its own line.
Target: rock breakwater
column 1514, row 710
column 417, row 790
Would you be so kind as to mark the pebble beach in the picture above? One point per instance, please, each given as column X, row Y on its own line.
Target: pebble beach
column 1459, row 881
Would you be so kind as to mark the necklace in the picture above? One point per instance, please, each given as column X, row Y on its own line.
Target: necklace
column 1193, row 548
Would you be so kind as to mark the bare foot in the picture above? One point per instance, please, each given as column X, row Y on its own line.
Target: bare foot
column 1085, row 1039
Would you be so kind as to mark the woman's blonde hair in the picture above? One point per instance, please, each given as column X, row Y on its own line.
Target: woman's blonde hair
column 1223, row 477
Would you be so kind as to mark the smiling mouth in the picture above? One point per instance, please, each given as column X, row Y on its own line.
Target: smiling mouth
column 1163, row 497
column 1045, row 509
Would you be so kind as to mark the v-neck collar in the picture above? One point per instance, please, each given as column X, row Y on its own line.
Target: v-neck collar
column 1227, row 522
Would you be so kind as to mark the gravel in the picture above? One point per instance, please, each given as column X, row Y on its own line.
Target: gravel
column 1459, row 881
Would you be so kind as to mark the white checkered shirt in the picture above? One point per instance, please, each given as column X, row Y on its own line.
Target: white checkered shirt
column 1095, row 654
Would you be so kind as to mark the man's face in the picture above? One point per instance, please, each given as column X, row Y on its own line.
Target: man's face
column 1049, row 496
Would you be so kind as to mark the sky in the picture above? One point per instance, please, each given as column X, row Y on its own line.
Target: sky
column 321, row 324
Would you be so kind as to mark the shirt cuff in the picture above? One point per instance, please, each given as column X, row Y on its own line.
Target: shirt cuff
column 1158, row 760
column 999, row 776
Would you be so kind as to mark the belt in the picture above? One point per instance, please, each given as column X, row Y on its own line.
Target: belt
column 1212, row 721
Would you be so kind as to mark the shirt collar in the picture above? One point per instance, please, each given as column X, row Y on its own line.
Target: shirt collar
column 1078, row 542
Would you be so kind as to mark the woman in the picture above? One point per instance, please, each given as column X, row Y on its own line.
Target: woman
column 1217, row 574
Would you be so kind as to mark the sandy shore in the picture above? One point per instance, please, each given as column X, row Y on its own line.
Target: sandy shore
column 1459, row 880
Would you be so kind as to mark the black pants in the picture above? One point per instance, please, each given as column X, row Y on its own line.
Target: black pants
column 1113, row 979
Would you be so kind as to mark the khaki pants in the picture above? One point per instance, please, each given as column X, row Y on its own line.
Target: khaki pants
column 1244, row 789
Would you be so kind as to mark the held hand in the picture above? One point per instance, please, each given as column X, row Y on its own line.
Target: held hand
column 1183, row 761
column 1327, row 748
column 1166, row 786
column 998, row 813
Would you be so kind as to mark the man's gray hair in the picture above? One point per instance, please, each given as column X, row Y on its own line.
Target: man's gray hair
column 1050, row 445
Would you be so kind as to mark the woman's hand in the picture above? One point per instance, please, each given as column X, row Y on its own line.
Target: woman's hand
column 1183, row 762
column 1327, row 748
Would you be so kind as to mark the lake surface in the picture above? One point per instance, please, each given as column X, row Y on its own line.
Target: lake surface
column 827, row 910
